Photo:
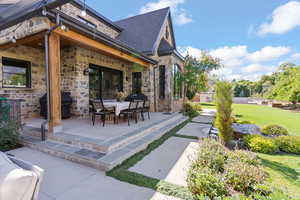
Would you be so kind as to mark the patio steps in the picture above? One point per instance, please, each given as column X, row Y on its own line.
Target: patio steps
column 103, row 156
column 114, row 144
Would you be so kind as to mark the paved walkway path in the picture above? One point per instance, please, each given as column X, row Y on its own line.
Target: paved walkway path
column 65, row 180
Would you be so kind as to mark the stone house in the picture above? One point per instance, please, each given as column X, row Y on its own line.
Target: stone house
column 86, row 54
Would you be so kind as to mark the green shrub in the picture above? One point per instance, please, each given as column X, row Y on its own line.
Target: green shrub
column 244, row 156
column 274, row 130
column 289, row 144
column 224, row 111
column 242, row 176
column 261, row 144
column 9, row 135
column 191, row 109
column 205, row 183
column 211, row 154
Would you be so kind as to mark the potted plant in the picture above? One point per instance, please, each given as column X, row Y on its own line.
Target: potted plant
column 120, row 96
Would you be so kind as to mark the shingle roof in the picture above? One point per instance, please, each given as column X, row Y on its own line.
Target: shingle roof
column 14, row 11
column 165, row 48
column 141, row 32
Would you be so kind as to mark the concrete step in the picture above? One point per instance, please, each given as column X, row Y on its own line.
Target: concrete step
column 98, row 159
column 115, row 158
column 113, row 144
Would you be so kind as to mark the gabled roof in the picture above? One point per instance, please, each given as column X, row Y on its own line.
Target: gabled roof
column 142, row 31
column 165, row 48
column 15, row 11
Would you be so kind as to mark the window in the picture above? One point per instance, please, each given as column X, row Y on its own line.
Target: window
column 167, row 33
column 162, row 81
column 16, row 73
column 104, row 82
column 177, row 84
column 137, row 82
column 87, row 22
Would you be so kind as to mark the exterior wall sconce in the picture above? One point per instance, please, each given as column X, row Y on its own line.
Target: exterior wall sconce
column 86, row 72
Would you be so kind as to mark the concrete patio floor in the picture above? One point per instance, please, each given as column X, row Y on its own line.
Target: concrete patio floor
column 64, row 180
column 83, row 126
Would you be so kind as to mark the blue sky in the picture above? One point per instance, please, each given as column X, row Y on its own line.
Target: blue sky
column 251, row 37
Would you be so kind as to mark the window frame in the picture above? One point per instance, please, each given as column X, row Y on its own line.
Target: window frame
column 102, row 69
column 16, row 63
column 162, row 81
column 136, row 89
column 177, row 87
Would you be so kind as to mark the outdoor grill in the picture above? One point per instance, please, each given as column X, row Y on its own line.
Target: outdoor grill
column 140, row 97
column 66, row 102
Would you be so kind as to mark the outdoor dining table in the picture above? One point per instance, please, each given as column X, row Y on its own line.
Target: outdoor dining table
column 119, row 106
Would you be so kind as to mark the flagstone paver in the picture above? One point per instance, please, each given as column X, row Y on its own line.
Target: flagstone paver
column 208, row 112
column 203, row 119
column 170, row 161
column 196, row 129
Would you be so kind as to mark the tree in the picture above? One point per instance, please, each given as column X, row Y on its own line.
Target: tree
column 224, row 111
column 194, row 76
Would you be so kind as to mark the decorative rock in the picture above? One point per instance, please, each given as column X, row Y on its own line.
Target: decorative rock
column 241, row 130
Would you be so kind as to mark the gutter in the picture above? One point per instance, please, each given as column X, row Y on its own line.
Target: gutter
column 95, row 34
column 30, row 12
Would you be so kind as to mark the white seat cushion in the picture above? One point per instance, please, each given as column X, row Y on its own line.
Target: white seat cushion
column 15, row 182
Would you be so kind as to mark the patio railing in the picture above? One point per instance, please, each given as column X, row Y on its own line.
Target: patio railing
column 10, row 110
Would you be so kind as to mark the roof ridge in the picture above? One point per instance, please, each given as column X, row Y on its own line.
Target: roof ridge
column 139, row 15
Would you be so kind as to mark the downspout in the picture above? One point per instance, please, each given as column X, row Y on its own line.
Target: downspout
column 46, row 40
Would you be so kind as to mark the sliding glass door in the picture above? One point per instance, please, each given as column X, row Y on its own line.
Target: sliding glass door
column 104, row 82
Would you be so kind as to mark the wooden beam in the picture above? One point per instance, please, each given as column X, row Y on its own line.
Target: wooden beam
column 98, row 46
column 54, row 77
column 29, row 39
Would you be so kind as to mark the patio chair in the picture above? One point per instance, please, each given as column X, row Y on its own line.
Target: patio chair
column 19, row 180
column 98, row 109
column 145, row 109
column 131, row 112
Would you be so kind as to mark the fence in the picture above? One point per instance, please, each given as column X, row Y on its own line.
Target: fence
column 10, row 110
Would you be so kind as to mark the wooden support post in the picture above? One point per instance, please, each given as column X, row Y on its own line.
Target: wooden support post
column 54, row 83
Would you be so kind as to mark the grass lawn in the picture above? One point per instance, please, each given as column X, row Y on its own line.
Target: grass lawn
column 284, row 170
column 264, row 115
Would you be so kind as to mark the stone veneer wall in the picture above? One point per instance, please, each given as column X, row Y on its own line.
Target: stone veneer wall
column 23, row 29
column 169, row 103
column 76, row 59
column 31, row 107
column 74, row 11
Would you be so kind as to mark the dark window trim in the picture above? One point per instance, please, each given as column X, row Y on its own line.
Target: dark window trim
column 16, row 62
column 101, row 68
column 162, row 81
column 137, row 89
column 177, row 92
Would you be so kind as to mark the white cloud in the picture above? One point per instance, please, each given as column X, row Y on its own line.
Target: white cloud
column 295, row 57
column 268, row 53
column 239, row 63
column 284, row 19
column 180, row 15
column 256, row 67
